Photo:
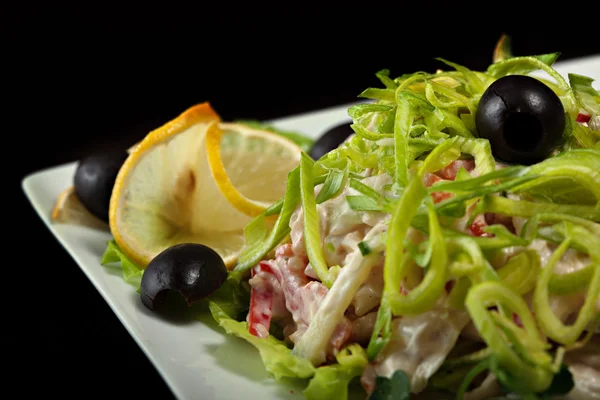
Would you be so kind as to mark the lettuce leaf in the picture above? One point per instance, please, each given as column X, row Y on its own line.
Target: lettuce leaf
column 585, row 94
column 114, row 257
column 331, row 382
column 276, row 356
column 572, row 177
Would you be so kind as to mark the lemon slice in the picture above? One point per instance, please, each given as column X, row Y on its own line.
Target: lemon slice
column 249, row 165
column 165, row 193
column 69, row 210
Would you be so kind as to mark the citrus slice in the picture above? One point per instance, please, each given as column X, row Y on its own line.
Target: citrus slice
column 165, row 193
column 69, row 210
column 249, row 167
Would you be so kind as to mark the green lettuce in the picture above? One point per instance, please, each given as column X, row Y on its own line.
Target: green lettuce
column 115, row 258
column 277, row 357
column 331, row 381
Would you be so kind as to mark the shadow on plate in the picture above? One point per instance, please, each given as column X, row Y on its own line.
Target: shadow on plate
column 242, row 359
column 176, row 311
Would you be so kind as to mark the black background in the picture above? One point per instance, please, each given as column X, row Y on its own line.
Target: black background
column 87, row 78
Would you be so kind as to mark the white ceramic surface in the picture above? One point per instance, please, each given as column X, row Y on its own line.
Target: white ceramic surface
column 195, row 358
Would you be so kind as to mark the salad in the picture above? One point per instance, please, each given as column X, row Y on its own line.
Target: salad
column 449, row 247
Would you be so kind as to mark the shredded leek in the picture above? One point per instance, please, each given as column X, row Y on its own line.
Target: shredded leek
column 417, row 125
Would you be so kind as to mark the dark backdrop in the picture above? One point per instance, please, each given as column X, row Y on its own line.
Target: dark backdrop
column 82, row 79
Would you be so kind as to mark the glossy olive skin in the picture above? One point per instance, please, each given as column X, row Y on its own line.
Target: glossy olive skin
column 94, row 180
column 330, row 140
column 522, row 118
column 191, row 269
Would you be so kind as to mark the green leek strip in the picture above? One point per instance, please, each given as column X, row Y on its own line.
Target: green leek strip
column 382, row 332
column 531, row 349
column 445, row 79
column 500, row 231
column 549, row 323
column 418, row 130
column 445, row 154
column 584, row 93
column 479, row 269
column 459, row 292
column 542, row 62
column 524, row 65
column 441, row 119
column 256, row 231
column 384, row 77
column 312, row 229
column 521, row 271
column 402, row 124
column 442, row 155
column 528, row 209
column 417, row 101
column 486, row 294
column 475, row 84
column 367, row 190
column 369, row 135
column 530, row 230
column 379, row 201
column 431, row 96
column 470, row 358
column 477, row 182
column 406, row 209
column 362, row 203
column 421, row 253
column 483, row 191
column 503, row 238
column 483, row 365
column 581, row 166
column 378, row 94
column 412, row 80
column 458, row 98
column 420, row 145
column 582, row 134
column 359, row 110
column 359, row 158
column 424, row 296
column 481, row 151
column 252, row 255
column 333, row 185
column 573, row 282
column 469, row 121
column 275, row 209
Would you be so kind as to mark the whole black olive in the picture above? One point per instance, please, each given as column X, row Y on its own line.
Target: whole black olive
column 94, row 180
column 191, row 269
column 330, row 140
column 522, row 118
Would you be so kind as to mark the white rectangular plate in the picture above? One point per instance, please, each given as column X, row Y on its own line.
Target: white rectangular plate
column 196, row 359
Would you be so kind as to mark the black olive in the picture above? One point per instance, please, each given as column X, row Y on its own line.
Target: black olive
column 330, row 140
column 94, row 180
column 191, row 269
column 522, row 118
